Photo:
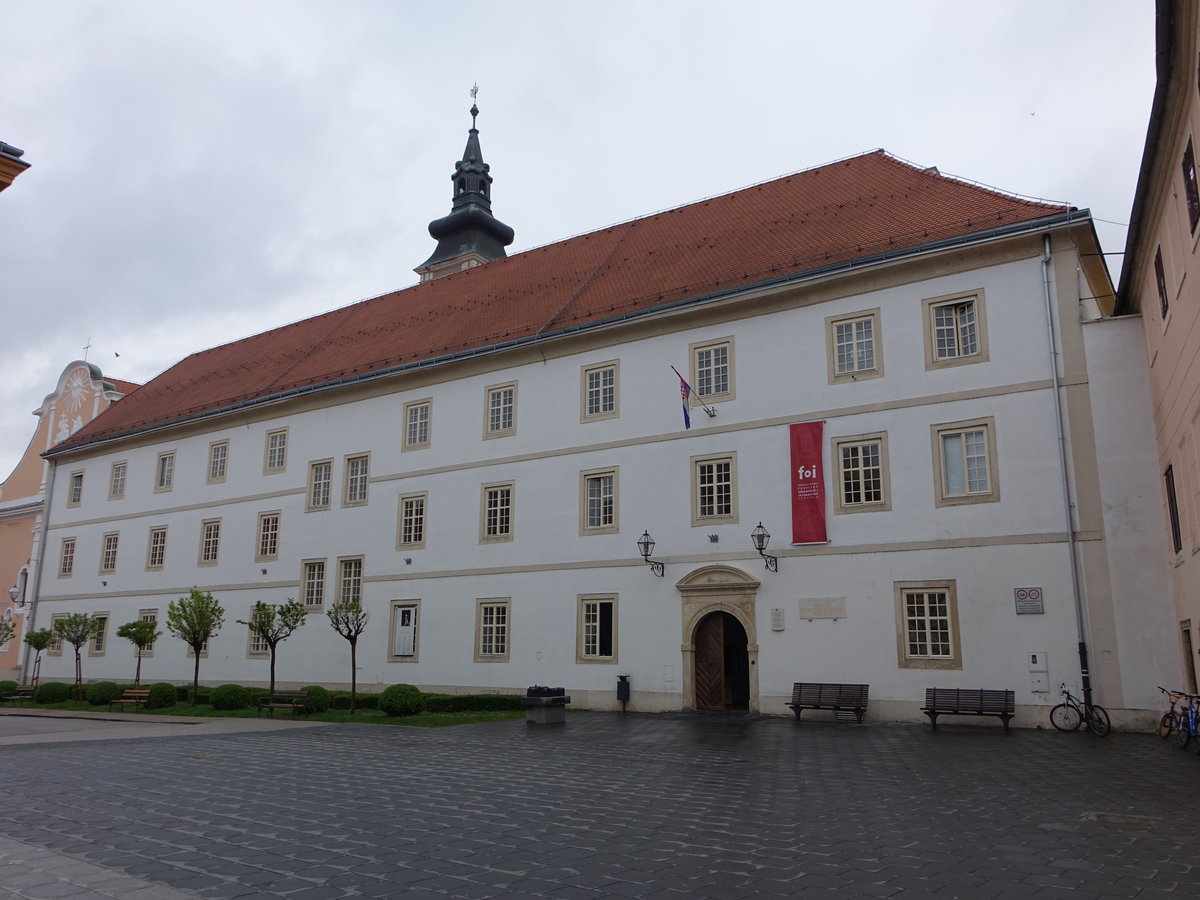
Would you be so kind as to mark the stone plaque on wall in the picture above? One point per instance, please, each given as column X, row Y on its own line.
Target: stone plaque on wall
column 822, row 607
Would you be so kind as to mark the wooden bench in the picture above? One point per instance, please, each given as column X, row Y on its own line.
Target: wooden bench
column 838, row 697
column 296, row 701
column 19, row 693
column 134, row 697
column 968, row 702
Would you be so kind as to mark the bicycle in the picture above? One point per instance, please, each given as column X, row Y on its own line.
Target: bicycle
column 1071, row 713
column 1187, row 725
column 1171, row 718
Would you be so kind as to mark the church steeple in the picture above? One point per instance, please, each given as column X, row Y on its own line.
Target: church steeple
column 470, row 235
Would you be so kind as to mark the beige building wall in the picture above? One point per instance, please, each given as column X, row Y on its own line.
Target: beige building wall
column 80, row 395
column 1161, row 281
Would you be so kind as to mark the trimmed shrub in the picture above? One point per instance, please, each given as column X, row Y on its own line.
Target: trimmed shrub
column 6, row 686
column 162, row 696
column 230, row 696
column 401, row 700
column 318, row 699
column 368, row 701
column 52, row 692
column 339, row 701
column 102, row 693
column 472, row 702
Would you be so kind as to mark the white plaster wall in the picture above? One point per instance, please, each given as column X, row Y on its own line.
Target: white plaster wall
column 781, row 377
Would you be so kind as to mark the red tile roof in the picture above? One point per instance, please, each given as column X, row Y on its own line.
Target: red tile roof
column 853, row 209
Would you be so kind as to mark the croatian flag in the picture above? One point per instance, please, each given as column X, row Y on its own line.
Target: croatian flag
column 685, row 392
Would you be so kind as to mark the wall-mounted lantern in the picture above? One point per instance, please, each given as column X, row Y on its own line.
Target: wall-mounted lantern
column 761, row 537
column 645, row 547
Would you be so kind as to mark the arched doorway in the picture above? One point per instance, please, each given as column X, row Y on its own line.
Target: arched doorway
column 722, row 666
column 720, row 641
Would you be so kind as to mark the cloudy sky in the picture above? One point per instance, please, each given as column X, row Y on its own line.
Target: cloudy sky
column 202, row 171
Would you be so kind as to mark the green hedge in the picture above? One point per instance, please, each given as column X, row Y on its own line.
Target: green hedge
column 318, row 699
column 162, row 696
column 6, row 686
column 52, row 692
column 401, row 700
column 230, row 696
column 102, row 693
column 448, row 703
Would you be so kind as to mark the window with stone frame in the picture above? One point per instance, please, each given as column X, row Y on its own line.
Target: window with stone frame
column 210, row 541
column 99, row 642
column 350, row 578
column 853, row 346
column 405, row 614
column 966, row 462
column 1190, row 187
column 712, row 370
column 598, row 502
column 66, row 557
column 116, row 480
column 714, row 489
column 164, row 472
column 492, row 619
column 597, row 629
column 320, row 485
column 1160, row 281
column 417, row 423
column 861, row 462
column 599, row 391
column 108, row 552
column 75, row 489
column 313, row 584
column 218, row 462
column 501, row 410
column 927, row 625
column 497, row 512
column 275, row 451
column 411, row 529
column 267, row 543
column 955, row 330
column 156, row 549
column 358, row 469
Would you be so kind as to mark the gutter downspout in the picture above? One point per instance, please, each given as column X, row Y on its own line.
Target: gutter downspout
column 1068, row 512
column 38, row 558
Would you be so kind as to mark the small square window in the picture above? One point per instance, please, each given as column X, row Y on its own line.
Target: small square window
column 164, row 472
column 358, row 471
column 116, row 480
column 492, row 620
column 404, row 631
column 927, row 625
column 275, row 452
column 496, row 513
column 855, row 352
column 156, row 550
column 598, row 502
column 218, row 462
column 714, row 489
column 500, row 416
column 417, row 423
column 108, row 552
column 712, row 370
column 861, row 462
column 411, row 527
column 955, row 330
column 267, row 543
column 599, row 397
column 597, row 635
column 965, row 453
column 75, row 489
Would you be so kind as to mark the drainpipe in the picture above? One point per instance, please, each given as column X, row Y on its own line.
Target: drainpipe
column 1068, row 513
column 35, row 566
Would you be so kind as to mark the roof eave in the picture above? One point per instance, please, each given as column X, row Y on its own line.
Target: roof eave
column 1067, row 217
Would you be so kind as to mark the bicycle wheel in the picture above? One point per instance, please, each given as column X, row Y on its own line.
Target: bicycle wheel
column 1065, row 718
column 1183, row 732
column 1098, row 722
column 1166, row 724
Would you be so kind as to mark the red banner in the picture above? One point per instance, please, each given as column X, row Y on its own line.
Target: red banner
column 808, row 484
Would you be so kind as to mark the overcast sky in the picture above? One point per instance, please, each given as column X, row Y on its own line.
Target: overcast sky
column 202, row 171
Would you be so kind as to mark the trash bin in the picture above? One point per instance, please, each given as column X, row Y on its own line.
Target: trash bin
column 623, row 690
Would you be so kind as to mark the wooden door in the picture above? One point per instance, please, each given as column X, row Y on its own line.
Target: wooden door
column 710, row 662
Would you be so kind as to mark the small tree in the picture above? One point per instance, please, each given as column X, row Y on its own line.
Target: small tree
column 195, row 619
column 142, row 635
column 6, row 630
column 349, row 620
column 38, row 641
column 77, row 629
column 273, row 623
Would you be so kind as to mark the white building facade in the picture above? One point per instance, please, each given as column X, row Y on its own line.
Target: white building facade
column 485, row 504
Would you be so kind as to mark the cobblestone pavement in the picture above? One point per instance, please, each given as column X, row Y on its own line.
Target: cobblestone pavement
column 606, row 806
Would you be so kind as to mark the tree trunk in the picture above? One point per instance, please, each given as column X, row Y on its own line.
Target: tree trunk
column 137, row 675
column 353, row 675
column 78, row 673
column 196, row 676
column 272, row 670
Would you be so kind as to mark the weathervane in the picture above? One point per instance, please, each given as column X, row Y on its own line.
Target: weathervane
column 474, row 108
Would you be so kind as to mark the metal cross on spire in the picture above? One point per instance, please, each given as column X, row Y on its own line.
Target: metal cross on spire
column 474, row 108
